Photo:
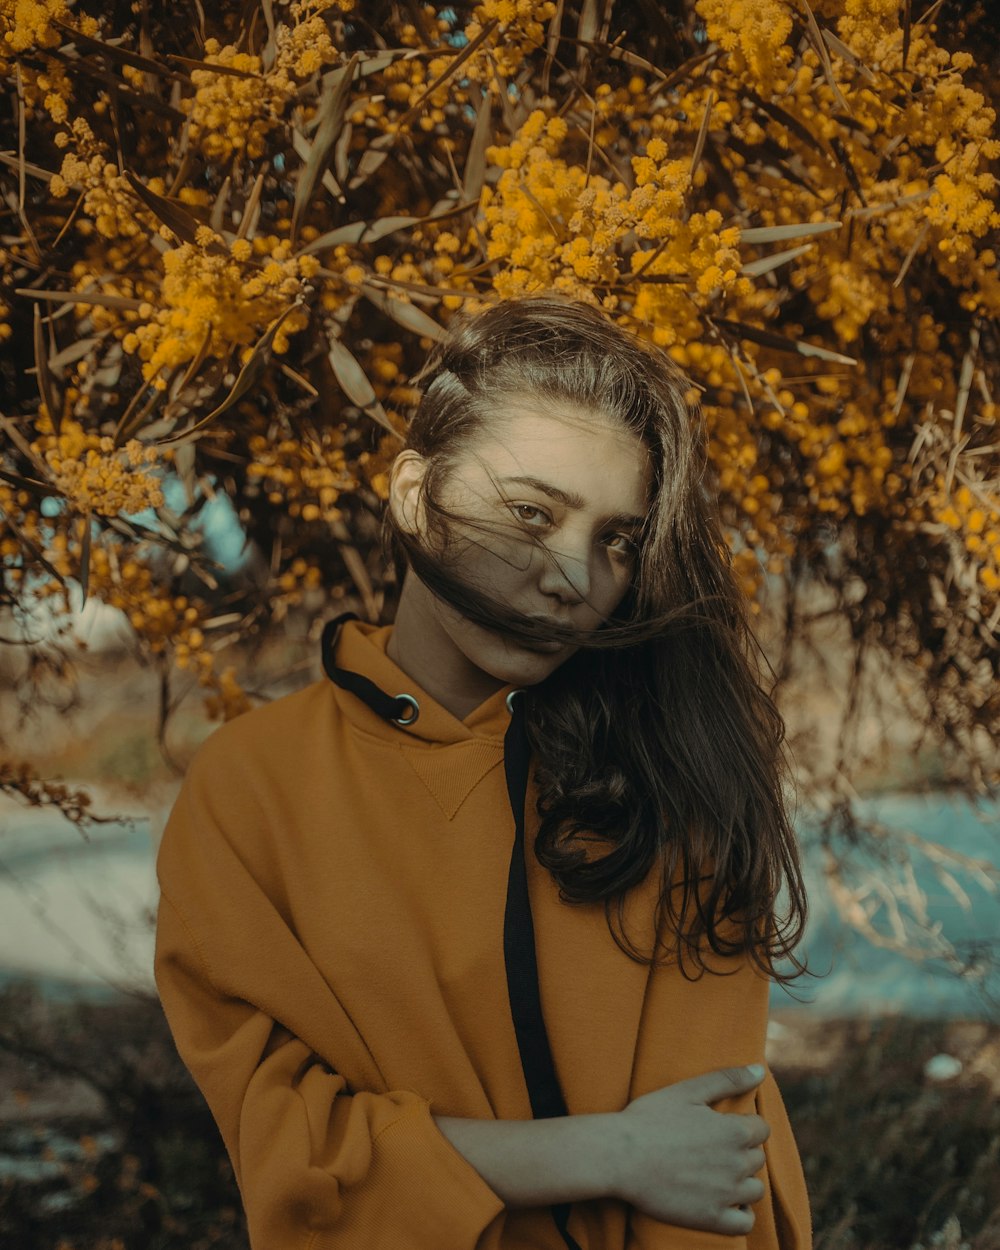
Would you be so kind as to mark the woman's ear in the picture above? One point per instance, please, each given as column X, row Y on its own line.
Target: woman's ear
column 406, row 478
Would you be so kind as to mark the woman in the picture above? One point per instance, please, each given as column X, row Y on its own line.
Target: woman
column 385, row 943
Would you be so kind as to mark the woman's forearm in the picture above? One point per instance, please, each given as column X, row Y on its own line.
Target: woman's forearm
column 533, row 1163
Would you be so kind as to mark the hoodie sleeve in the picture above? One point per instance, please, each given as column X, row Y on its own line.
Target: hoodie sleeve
column 688, row 1028
column 320, row 1166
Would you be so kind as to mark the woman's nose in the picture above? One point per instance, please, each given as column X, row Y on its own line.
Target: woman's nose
column 565, row 574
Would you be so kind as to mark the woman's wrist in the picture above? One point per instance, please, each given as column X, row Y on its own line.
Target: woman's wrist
column 532, row 1163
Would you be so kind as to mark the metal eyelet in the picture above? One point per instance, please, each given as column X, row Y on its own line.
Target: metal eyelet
column 414, row 710
column 510, row 700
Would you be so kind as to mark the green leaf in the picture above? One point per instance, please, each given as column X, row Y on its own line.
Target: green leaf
column 251, row 209
column 699, row 145
column 119, row 56
column 75, row 351
column 135, row 415
column 28, row 483
column 332, row 108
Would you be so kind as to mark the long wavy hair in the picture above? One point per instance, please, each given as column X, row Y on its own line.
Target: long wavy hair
column 656, row 739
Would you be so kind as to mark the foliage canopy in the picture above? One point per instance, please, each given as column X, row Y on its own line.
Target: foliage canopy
column 226, row 257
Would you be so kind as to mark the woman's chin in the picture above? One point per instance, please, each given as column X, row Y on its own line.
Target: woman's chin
column 521, row 664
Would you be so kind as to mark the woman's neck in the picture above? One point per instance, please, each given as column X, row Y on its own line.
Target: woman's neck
column 421, row 646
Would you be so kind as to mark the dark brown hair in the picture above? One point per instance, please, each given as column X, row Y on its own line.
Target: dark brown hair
column 656, row 738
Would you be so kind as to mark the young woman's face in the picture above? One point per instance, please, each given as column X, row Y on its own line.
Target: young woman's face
column 567, row 477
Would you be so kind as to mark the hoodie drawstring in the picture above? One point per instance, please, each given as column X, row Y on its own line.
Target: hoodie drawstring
column 518, row 930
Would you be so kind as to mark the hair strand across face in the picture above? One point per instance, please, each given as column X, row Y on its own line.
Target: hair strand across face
column 656, row 740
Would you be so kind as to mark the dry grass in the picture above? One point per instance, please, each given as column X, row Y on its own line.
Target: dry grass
column 893, row 1159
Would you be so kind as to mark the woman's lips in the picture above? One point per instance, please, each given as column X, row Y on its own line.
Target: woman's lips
column 543, row 644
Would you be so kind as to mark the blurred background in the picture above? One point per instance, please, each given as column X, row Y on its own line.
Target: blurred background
column 230, row 236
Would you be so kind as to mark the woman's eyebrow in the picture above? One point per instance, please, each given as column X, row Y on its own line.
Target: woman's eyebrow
column 569, row 499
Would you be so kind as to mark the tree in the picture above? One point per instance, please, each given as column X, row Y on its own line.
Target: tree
column 228, row 259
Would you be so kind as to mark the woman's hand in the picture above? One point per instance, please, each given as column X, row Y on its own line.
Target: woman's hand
column 681, row 1162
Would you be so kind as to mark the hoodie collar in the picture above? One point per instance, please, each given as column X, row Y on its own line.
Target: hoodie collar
column 361, row 648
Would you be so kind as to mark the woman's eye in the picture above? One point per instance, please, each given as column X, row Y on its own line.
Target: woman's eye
column 528, row 513
column 626, row 545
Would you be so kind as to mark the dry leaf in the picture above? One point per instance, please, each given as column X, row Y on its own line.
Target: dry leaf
column 778, row 234
column 407, row 315
column 248, row 375
column 766, row 263
column 177, row 219
column 474, row 173
column 46, row 383
column 69, row 298
column 781, row 344
column 355, row 383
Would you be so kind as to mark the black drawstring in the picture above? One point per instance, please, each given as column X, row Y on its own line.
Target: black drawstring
column 518, row 931
column 402, row 709
column 519, row 952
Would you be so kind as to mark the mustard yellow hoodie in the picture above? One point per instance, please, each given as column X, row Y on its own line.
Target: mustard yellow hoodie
column 329, row 954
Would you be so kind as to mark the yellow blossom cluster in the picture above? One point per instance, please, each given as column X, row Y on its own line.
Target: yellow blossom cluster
column 964, row 210
column 226, row 698
column 845, row 462
column 871, row 29
column 163, row 620
column 663, row 194
column 108, row 200
column 305, row 477
column 167, row 624
column 26, row 24
column 901, row 207
column 304, row 45
column 404, row 81
column 754, row 32
column 971, row 513
column 516, row 28
column 520, row 30
column 629, row 109
column 303, row 10
column 231, row 112
column 27, row 31
column 296, row 580
column 222, row 292
column 235, row 105
column 555, row 227
column 93, row 475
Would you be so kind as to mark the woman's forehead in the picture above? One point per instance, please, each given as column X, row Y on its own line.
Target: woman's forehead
column 578, row 451
column 527, row 420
